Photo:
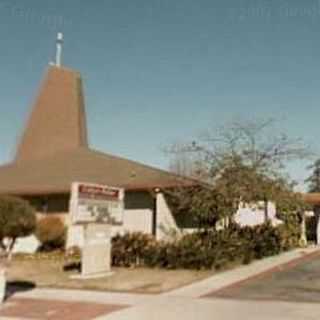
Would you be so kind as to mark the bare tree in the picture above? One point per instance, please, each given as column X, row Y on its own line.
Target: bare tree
column 185, row 163
column 243, row 161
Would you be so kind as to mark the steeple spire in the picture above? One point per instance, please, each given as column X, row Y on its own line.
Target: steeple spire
column 59, row 43
column 57, row 122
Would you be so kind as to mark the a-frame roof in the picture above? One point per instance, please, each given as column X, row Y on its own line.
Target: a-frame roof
column 57, row 121
column 54, row 150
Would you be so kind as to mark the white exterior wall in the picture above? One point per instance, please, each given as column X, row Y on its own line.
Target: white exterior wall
column 137, row 220
column 252, row 216
column 166, row 225
column 138, row 212
column 26, row 245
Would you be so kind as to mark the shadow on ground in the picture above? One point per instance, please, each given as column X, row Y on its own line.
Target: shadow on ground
column 13, row 287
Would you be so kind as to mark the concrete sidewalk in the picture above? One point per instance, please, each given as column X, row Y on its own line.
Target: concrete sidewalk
column 173, row 308
column 87, row 296
column 184, row 302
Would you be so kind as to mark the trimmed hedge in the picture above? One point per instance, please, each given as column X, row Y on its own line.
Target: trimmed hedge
column 203, row 250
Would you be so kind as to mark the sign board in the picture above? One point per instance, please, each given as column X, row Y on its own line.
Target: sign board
column 92, row 203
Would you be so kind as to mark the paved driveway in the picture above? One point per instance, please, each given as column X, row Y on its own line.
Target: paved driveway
column 298, row 283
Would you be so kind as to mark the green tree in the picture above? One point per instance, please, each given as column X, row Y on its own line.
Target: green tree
column 291, row 209
column 313, row 180
column 243, row 162
column 200, row 206
column 17, row 219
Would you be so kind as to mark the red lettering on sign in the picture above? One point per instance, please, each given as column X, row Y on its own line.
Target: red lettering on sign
column 98, row 192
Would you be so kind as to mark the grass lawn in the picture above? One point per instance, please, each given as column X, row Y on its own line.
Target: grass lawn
column 49, row 273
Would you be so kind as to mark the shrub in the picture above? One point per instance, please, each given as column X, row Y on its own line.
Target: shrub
column 17, row 219
column 263, row 240
column 131, row 248
column 290, row 236
column 311, row 228
column 51, row 233
column 204, row 249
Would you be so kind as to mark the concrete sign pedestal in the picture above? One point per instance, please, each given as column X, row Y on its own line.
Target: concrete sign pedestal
column 2, row 284
column 96, row 251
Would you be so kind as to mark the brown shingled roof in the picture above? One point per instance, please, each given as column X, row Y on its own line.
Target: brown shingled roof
column 54, row 150
column 56, row 173
column 312, row 198
column 57, row 121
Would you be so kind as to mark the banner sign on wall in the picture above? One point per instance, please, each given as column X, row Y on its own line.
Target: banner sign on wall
column 96, row 203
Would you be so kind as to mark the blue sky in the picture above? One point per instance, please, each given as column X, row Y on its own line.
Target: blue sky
column 160, row 71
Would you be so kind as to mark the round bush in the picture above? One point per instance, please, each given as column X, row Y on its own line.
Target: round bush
column 51, row 232
column 17, row 219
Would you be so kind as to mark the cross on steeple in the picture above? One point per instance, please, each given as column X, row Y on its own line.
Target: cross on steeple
column 59, row 49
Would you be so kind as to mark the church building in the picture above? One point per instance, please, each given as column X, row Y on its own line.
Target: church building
column 54, row 152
